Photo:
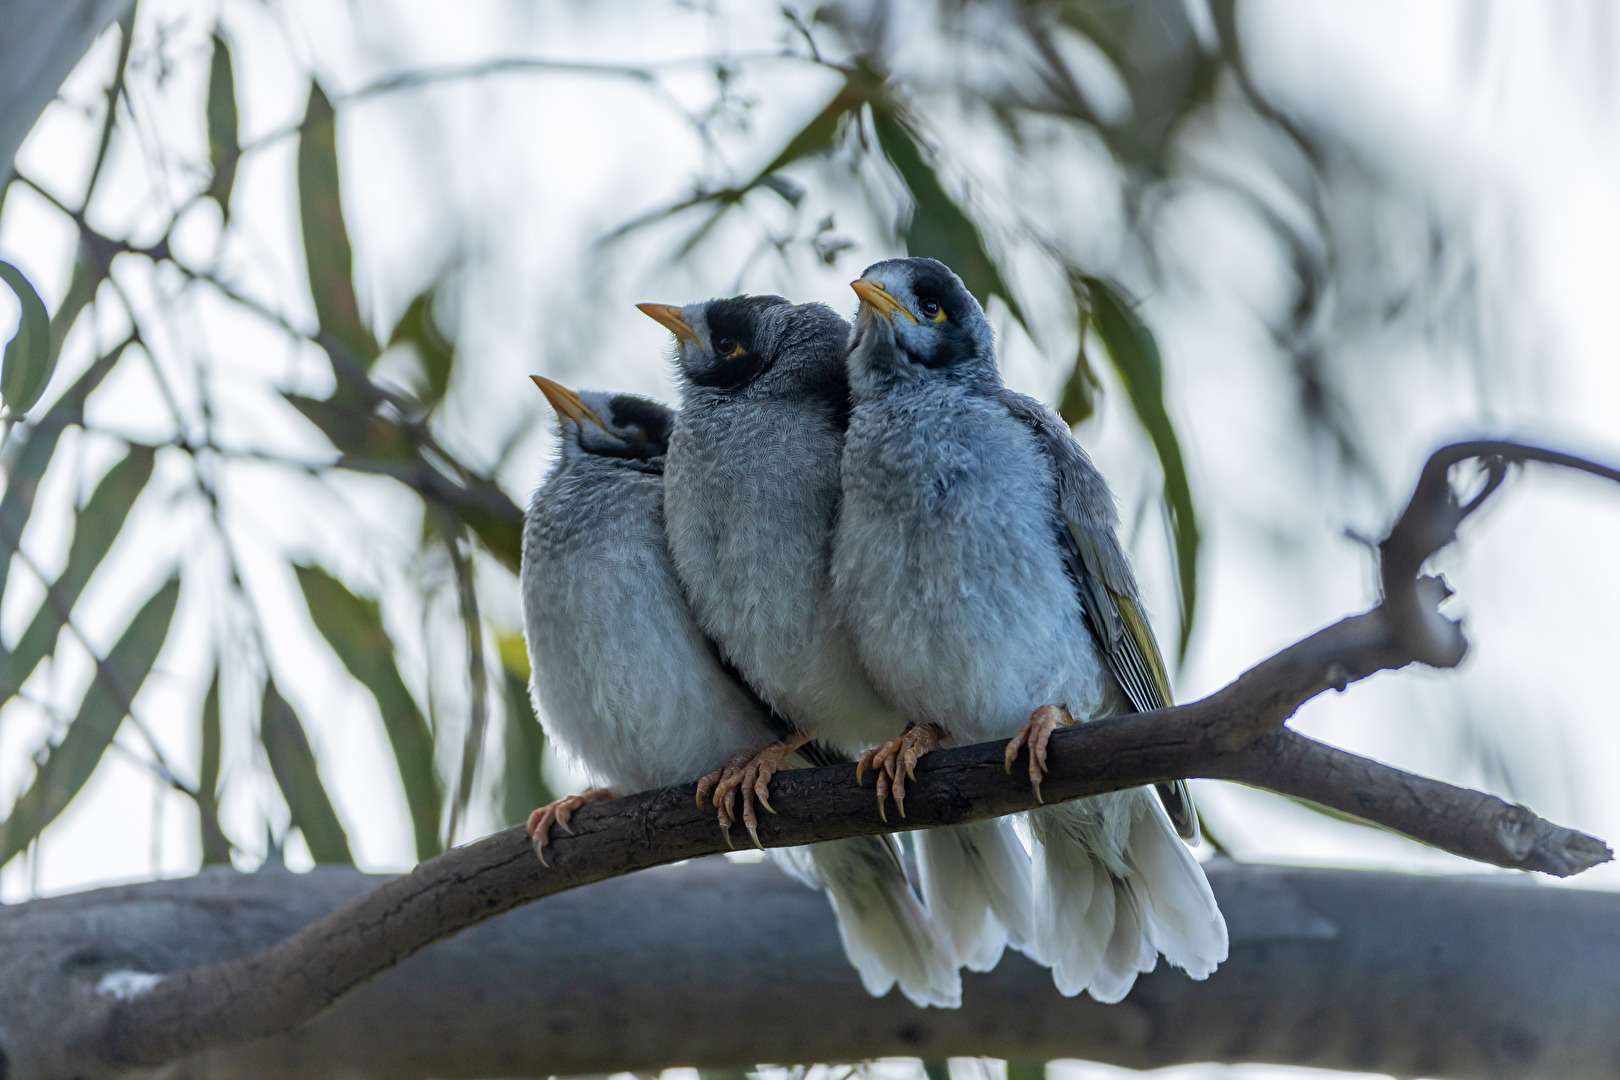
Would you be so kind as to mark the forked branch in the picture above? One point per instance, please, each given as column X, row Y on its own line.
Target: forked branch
column 1235, row 734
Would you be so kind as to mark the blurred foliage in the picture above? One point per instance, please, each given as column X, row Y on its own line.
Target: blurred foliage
column 906, row 139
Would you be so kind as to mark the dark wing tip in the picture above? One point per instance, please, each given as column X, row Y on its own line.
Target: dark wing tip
column 1178, row 803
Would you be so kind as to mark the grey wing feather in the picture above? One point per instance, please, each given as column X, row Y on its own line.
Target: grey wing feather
column 1102, row 575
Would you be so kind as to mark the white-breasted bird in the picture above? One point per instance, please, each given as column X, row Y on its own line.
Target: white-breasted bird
column 626, row 683
column 751, row 495
column 977, row 564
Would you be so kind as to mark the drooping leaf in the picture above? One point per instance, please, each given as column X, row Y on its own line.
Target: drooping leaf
column 293, row 764
column 69, row 764
column 1134, row 353
column 87, row 277
column 938, row 228
column 472, row 624
column 353, row 626
column 357, row 430
column 818, row 136
column 39, row 446
column 95, row 528
column 437, row 355
column 328, row 257
column 223, row 147
column 936, row 1069
column 216, row 849
column 1154, row 49
column 495, row 518
column 1078, row 401
column 523, row 741
column 28, row 362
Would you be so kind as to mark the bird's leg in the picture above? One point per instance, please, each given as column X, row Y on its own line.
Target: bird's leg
column 896, row 760
column 1036, row 734
column 750, row 772
column 558, row 813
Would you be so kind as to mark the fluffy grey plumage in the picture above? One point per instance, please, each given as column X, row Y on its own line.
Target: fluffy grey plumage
column 623, row 679
column 976, row 547
column 626, row 682
column 751, row 496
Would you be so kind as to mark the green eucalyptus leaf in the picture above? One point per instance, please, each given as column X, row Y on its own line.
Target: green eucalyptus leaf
column 95, row 528
column 495, row 519
column 938, row 228
column 69, row 764
column 216, row 849
column 436, row 354
column 40, row 440
column 87, row 277
column 293, row 764
column 1078, row 401
column 821, row 133
column 328, row 256
column 357, row 431
column 353, row 627
column 223, row 146
column 1134, row 353
column 28, row 361
column 523, row 741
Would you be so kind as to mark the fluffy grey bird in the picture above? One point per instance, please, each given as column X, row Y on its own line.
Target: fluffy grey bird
column 751, row 495
column 977, row 564
column 625, row 681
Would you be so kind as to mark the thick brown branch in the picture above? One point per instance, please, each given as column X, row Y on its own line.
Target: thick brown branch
column 1233, row 734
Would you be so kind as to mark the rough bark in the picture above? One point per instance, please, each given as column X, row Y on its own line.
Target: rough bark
column 719, row 965
column 40, row 42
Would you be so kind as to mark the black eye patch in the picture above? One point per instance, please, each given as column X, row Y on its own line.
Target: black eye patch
column 734, row 322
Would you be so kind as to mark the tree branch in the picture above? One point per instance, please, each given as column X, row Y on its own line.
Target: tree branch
column 722, row 966
column 1235, row 733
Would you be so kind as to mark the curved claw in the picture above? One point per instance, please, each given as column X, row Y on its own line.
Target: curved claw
column 559, row 814
column 750, row 772
column 1036, row 734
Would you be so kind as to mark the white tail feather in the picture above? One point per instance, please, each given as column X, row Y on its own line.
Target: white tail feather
column 887, row 933
column 1115, row 886
column 1179, row 910
column 975, row 881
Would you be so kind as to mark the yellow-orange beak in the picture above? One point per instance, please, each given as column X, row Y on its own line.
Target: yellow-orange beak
column 876, row 297
column 669, row 317
column 567, row 403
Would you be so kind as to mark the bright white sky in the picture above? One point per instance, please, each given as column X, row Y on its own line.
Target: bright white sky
column 511, row 179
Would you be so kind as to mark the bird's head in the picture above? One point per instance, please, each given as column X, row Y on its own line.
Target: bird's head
column 917, row 321
column 757, row 347
column 608, row 425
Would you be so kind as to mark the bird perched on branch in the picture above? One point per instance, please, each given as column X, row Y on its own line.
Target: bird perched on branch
column 977, row 564
column 751, row 494
column 625, row 681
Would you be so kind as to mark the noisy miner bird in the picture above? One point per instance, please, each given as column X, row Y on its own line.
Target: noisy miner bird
column 977, row 564
column 751, row 495
column 625, row 681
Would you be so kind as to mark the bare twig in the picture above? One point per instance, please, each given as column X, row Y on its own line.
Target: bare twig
column 1236, row 733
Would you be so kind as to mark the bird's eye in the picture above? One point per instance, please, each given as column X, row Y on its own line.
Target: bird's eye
column 728, row 348
column 931, row 309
